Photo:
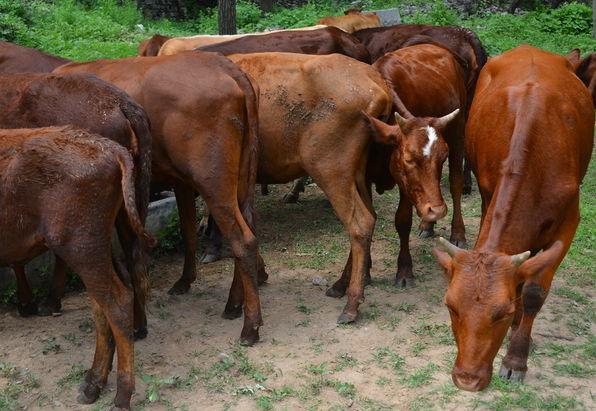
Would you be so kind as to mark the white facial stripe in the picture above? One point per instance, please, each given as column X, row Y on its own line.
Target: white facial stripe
column 432, row 137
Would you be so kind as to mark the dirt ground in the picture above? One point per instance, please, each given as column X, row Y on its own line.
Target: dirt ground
column 397, row 356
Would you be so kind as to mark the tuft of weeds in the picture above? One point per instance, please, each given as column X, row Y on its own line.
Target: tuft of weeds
column 437, row 333
column 51, row 346
column 574, row 370
column 420, row 376
column 387, row 358
column 344, row 360
column 18, row 381
column 74, row 376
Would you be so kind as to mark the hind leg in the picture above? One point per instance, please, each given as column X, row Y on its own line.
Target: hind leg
column 467, row 184
column 213, row 242
column 294, row 194
column 26, row 305
column 185, row 200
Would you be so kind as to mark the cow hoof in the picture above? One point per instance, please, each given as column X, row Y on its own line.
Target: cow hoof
column 426, row 233
column 461, row 243
column 249, row 338
column 88, row 393
column 466, row 190
column 507, row 373
column 405, row 282
column 179, row 288
column 262, row 277
column 46, row 310
column 210, row 257
column 334, row 292
column 291, row 198
column 346, row 318
column 232, row 313
column 367, row 280
column 27, row 310
column 140, row 334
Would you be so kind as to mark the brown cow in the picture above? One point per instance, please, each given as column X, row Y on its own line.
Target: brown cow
column 19, row 59
column 461, row 42
column 83, row 100
column 327, row 40
column 530, row 136
column 430, row 83
column 60, row 190
column 179, row 44
column 151, row 46
column 204, row 140
column 352, row 21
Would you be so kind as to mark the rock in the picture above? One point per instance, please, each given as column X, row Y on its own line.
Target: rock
column 318, row 280
column 224, row 358
column 388, row 17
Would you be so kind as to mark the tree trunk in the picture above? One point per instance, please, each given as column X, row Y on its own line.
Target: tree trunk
column 514, row 5
column 227, row 16
column 594, row 18
column 266, row 5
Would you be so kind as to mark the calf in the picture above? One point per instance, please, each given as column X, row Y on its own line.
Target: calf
column 530, row 136
column 204, row 140
column 60, row 190
column 83, row 100
column 327, row 40
column 430, row 83
column 352, row 21
column 19, row 59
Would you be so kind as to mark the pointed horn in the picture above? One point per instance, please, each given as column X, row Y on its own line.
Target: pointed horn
column 443, row 121
column 519, row 259
column 449, row 248
column 401, row 121
column 400, row 106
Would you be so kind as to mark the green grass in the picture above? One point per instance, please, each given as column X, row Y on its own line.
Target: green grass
column 16, row 382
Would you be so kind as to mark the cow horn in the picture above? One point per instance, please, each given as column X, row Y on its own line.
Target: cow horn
column 443, row 121
column 519, row 259
column 451, row 249
column 400, row 120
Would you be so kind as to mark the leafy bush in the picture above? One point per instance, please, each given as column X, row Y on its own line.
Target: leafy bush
column 572, row 18
column 14, row 19
column 440, row 14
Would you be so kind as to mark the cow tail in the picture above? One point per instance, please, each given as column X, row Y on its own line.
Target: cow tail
column 139, row 275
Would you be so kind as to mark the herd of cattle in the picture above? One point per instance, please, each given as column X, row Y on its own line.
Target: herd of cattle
column 82, row 148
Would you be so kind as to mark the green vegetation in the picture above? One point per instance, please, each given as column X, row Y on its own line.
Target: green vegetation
column 13, row 382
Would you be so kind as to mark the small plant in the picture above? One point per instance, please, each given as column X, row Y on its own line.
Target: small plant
column 155, row 385
column 74, row 376
column 51, row 346
column 387, row 358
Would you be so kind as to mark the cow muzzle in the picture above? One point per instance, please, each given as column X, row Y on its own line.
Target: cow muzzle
column 471, row 380
column 431, row 213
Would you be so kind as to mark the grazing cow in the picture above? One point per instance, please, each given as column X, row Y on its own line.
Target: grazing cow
column 352, row 21
column 151, row 46
column 586, row 71
column 204, row 140
column 430, row 83
column 327, row 40
column 530, row 136
column 60, row 190
column 179, row 44
column 19, row 59
column 83, row 100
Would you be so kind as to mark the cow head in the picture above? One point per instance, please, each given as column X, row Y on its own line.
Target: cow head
column 419, row 151
column 481, row 298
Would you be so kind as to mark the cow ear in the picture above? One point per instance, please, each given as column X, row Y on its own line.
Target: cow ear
column 445, row 260
column 574, row 57
column 382, row 132
column 548, row 259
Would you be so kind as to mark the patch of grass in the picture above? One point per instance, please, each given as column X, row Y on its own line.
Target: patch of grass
column 74, row 376
column 437, row 333
column 303, row 308
column 387, row 358
column 575, row 370
column 344, row 360
column 572, row 294
column 420, row 376
column 51, row 346
column 73, row 339
column 14, row 381
column 344, row 389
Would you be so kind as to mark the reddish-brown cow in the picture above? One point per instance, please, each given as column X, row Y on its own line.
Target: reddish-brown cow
column 530, row 136
column 352, row 21
column 586, row 71
column 430, row 83
column 60, row 190
column 83, row 100
column 151, row 46
column 204, row 140
column 19, row 59
column 327, row 40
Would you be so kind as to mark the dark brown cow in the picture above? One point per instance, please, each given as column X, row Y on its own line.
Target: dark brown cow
column 151, row 46
column 530, row 136
column 60, row 190
column 83, row 100
column 586, row 71
column 327, row 40
column 204, row 140
column 19, row 59
column 430, row 83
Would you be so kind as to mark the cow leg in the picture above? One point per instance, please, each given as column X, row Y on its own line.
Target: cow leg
column 26, row 306
column 53, row 303
column 297, row 188
column 338, row 289
column 403, row 225
column 467, row 184
column 213, row 242
column 533, row 294
column 264, row 189
column 456, row 158
column 185, row 200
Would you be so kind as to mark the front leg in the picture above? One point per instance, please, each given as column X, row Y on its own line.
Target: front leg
column 403, row 225
column 456, row 181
